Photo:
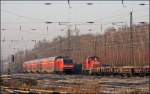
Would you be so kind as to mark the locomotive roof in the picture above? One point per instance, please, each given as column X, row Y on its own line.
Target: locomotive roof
column 94, row 57
column 31, row 61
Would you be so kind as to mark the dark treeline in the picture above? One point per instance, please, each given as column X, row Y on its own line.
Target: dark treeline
column 114, row 47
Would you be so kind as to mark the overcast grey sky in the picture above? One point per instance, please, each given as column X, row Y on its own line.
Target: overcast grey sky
column 32, row 15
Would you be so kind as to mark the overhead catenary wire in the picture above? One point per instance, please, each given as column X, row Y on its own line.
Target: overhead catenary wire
column 41, row 21
column 120, row 14
column 18, row 15
column 68, row 1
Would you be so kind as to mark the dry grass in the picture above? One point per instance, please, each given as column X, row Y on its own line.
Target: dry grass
column 135, row 91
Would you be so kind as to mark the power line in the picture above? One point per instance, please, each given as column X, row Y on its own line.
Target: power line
column 18, row 15
column 124, row 16
column 67, row 3
column 26, row 17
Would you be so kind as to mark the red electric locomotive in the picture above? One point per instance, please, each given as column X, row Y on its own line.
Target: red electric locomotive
column 92, row 65
column 64, row 64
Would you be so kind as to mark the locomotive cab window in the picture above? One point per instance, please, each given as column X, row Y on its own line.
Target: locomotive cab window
column 68, row 61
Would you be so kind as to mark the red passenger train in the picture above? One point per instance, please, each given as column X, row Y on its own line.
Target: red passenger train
column 49, row 65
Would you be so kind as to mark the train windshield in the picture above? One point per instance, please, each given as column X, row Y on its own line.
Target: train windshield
column 68, row 61
column 94, row 58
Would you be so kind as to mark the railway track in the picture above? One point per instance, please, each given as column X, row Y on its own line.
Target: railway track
column 74, row 84
column 29, row 91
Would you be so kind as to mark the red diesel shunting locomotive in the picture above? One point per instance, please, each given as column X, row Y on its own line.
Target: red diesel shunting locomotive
column 49, row 65
column 91, row 65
